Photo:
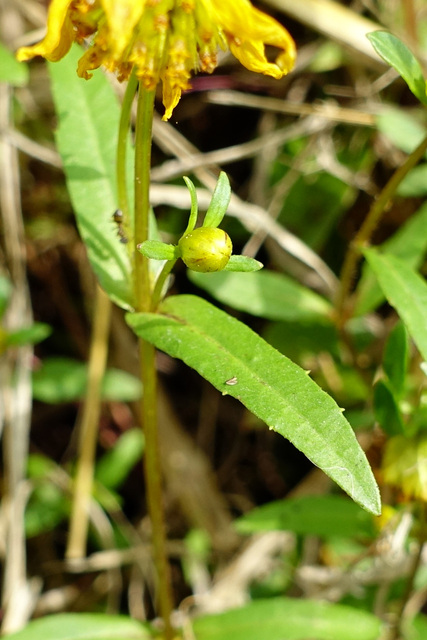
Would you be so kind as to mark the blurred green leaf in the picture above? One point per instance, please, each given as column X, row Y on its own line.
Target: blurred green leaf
column 11, row 71
column 115, row 465
column 120, row 386
column 31, row 335
column 329, row 56
column 416, row 629
column 239, row 363
column 87, row 141
column 301, row 338
column 406, row 291
column 414, row 183
column 265, row 294
column 395, row 361
column 46, row 508
column 289, row 619
column 5, row 292
column 386, row 409
column 401, row 58
column 401, row 128
column 314, row 206
column 83, row 626
column 408, row 243
column 325, row 516
column 65, row 380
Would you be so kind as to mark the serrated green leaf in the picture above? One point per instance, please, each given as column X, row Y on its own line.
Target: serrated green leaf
column 239, row 363
column 325, row 516
column 408, row 243
column 88, row 115
column 11, row 71
column 289, row 619
column 265, row 294
column 406, row 291
column 83, row 626
column 401, row 58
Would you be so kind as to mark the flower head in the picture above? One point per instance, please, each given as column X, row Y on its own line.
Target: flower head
column 165, row 40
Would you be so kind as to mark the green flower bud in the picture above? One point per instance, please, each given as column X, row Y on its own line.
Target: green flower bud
column 206, row 249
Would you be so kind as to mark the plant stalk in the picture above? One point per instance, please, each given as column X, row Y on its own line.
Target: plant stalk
column 362, row 238
column 142, row 287
column 88, row 430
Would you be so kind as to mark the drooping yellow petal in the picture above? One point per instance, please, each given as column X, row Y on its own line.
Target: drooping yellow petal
column 122, row 18
column 59, row 36
column 248, row 30
column 163, row 40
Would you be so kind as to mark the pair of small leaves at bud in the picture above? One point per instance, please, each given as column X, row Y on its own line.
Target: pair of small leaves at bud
column 207, row 248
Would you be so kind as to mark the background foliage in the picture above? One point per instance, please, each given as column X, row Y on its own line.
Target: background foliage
column 264, row 540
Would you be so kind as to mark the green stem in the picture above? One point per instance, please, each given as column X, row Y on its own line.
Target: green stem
column 123, row 136
column 379, row 206
column 158, row 288
column 142, row 287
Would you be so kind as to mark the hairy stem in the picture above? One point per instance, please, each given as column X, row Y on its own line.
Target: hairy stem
column 142, row 288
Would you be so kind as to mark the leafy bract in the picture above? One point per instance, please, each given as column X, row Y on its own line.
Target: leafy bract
column 88, row 118
column 289, row 619
column 406, row 291
column 241, row 364
column 397, row 54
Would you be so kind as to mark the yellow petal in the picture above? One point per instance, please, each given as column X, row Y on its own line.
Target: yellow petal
column 59, row 36
column 248, row 30
column 251, row 55
column 122, row 17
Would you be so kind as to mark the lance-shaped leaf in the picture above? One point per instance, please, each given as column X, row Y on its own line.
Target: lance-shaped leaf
column 406, row 291
column 397, row 54
column 240, row 363
column 88, row 116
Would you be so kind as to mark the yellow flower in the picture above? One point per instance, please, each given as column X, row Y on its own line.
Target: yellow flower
column 163, row 39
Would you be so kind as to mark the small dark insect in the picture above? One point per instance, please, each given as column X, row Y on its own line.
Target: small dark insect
column 118, row 219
